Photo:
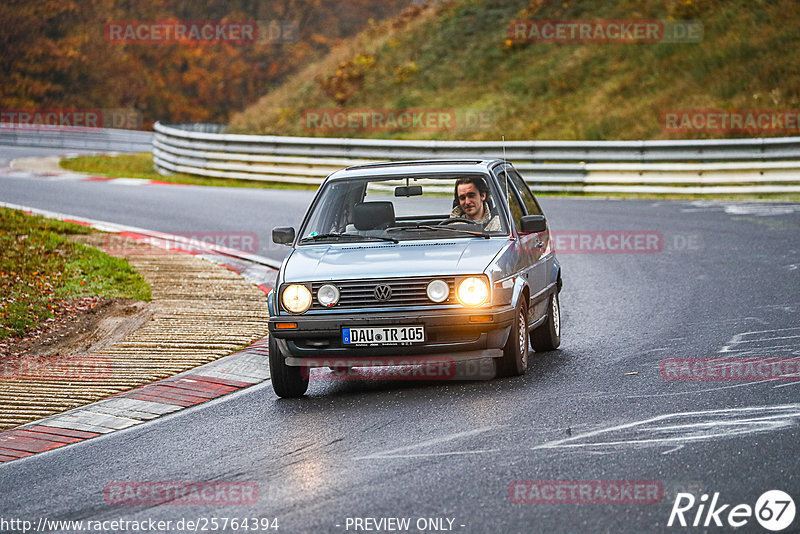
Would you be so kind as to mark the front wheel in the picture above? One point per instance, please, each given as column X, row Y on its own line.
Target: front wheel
column 515, row 353
column 548, row 335
column 287, row 381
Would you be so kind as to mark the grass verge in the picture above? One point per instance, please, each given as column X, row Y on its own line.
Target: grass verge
column 141, row 166
column 458, row 57
column 40, row 270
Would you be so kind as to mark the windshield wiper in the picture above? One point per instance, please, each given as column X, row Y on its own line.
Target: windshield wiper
column 333, row 235
column 437, row 228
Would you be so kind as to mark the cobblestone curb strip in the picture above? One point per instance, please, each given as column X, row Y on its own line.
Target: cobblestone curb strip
column 215, row 379
column 201, row 312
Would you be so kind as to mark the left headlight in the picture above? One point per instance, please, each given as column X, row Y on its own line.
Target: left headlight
column 437, row 290
column 296, row 298
column 472, row 291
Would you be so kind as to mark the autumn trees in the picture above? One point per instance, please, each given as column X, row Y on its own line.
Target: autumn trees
column 56, row 54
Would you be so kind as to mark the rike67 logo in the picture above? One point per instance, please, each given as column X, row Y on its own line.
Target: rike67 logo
column 774, row 510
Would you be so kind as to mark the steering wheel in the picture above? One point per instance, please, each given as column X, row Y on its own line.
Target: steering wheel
column 451, row 220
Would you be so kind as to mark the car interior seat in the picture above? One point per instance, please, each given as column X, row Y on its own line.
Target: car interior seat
column 373, row 215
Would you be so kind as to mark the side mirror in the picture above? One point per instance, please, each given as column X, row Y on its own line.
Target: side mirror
column 283, row 235
column 532, row 223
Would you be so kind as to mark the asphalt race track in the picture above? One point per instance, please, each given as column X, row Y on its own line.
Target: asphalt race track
column 723, row 282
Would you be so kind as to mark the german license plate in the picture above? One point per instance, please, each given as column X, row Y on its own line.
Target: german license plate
column 383, row 335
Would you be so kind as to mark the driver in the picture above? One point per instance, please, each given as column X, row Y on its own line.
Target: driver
column 472, row 193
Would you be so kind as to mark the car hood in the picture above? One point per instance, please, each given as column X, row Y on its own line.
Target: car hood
column 337, row 261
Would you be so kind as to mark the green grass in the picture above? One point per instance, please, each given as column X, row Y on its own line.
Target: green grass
column 40, row 269
column 746, row 60
column 141, row 166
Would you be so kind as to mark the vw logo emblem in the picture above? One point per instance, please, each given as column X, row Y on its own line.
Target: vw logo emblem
column 383, row 292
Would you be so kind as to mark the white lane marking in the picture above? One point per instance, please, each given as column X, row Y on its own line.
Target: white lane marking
column 727, row 347
column 742, row 343
column 676, row 449
column 393, row 453
column 128, row 181
column 663, row 430
column 63, row 177
column 426, row 454
column 797, row 383
column 758, row 209
column 790, row 307
column 761, row 210
column 16, row 174
column 676, row 393
column 723, row 423
column 736, row 321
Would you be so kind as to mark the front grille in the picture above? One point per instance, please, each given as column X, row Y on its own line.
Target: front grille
column 361, row 293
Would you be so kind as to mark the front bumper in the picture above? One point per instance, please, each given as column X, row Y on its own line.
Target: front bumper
column 451, row 333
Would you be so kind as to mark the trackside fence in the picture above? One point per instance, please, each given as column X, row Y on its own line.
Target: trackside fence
column 724, row 166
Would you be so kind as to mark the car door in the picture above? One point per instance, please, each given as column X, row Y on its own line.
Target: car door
column 533, row 247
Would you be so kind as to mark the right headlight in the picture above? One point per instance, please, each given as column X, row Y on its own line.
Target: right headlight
column 296, row 298
column 328, row 295
column 472, row 291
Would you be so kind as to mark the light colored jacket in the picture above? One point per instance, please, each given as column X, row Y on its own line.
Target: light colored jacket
column 490, row 224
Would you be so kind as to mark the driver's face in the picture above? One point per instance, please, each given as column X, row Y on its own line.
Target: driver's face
column 470, row 200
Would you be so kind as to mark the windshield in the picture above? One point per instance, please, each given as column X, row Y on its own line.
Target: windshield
column 403, row 208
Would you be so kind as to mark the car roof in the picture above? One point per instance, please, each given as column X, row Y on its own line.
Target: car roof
column 433, row 166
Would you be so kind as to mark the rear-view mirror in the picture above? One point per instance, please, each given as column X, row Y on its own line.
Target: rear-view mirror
column 408, row 191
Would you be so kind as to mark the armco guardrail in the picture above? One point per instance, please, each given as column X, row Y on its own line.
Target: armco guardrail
column 726, row 166
column 90, row 139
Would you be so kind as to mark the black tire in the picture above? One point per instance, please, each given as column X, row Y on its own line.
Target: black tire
column 288, row 382
column 515, row 354
column 548, row 335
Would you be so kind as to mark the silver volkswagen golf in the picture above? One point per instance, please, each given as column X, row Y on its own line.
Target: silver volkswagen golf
column 415, row 261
